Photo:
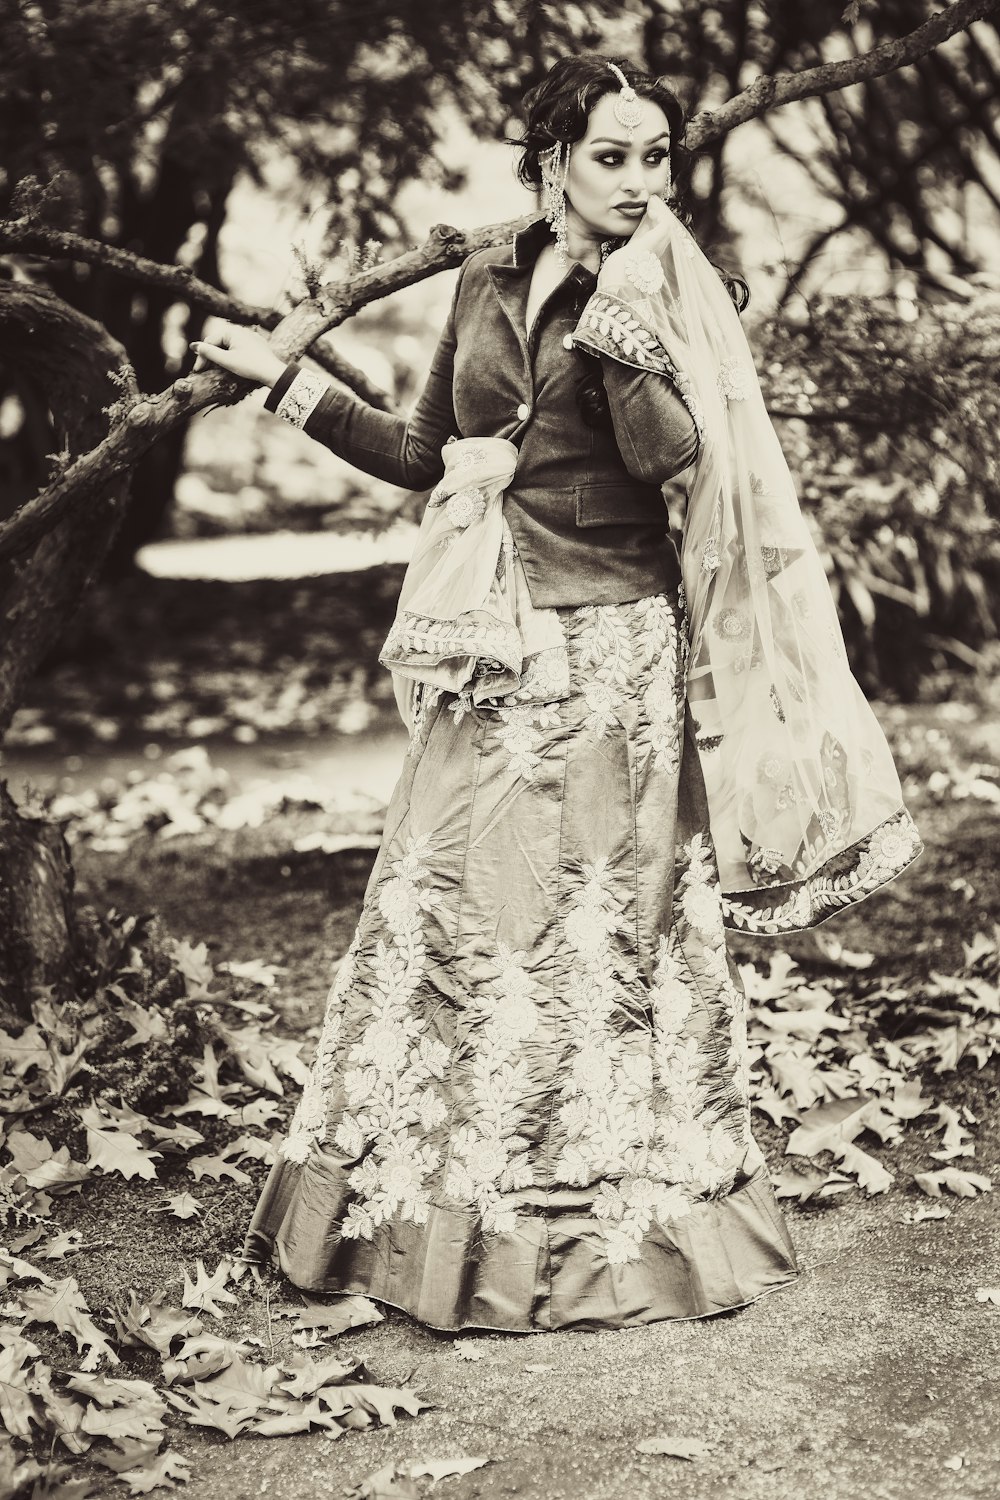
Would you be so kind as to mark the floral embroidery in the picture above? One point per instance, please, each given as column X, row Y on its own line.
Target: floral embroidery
column 426, row 699
column 608, row 326
column 391, row 1102
column 662, row 644
column 731, row 624
column 491, row 1158
column 465, row 507
column 441, row 639
column 643, row 269
column 636, row 1120
column 606, row 651
column 521, row 733
column 710, row 559
column 734, row 379
column 309, row 1120
column 302, row 397
column 864, row 867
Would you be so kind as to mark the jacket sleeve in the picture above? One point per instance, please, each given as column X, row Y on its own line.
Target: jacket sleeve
column 657, row 425
column 401, row 450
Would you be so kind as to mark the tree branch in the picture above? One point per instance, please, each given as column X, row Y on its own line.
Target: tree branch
column 29, row 237
column 769, row 93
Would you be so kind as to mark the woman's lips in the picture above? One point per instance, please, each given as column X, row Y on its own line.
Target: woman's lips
column 630, row 210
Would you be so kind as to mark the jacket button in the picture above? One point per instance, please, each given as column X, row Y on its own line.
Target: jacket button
column 523, row 412
column 567, row 341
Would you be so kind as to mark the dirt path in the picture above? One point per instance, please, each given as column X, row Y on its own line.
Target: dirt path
column 861, row 1379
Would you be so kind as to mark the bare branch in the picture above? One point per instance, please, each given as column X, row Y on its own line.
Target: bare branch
column 152, row 417
column 29, row 237
column 769, row 93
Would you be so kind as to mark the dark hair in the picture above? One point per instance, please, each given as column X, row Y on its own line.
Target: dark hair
column 557, row 109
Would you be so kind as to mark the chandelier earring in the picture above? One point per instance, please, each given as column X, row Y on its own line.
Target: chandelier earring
column 555, row 173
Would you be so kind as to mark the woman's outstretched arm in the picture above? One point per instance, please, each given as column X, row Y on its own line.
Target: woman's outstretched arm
column 401, row 450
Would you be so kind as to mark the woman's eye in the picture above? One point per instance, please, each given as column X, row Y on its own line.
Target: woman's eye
column 615, row 159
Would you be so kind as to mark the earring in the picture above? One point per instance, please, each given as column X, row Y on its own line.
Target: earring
column 555, row 175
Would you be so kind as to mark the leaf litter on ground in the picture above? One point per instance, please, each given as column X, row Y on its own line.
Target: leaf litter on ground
column 829, row 1065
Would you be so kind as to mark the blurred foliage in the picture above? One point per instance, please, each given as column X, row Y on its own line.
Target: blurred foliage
column 129, row 121
column 888, row 413
column 895, row 155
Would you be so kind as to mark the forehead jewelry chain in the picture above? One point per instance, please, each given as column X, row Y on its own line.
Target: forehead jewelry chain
column 628, row 110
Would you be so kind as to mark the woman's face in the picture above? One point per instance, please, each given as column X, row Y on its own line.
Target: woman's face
column 609, row 181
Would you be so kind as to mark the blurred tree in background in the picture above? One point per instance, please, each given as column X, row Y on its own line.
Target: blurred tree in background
column 138, row 116
column 896, row 156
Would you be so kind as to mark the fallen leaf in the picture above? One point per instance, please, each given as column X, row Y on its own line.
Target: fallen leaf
column 62, row 1244
column 113, row 1149
column 216, row 1167
column 443, row 1468
column 17, row 1390
column 963, row 1184
column 388, row 1483
column 932, row 1211
column 165, row 1469
column 675, row 1447
column 539, row 1369
column 988, row 1294
column 41, row 1166
column 209, row 1290
column 335, row 1317
column 466, row 1350
column 181, row 1205
column 154, row 1324
column 62, row 1305
column 798, row 1182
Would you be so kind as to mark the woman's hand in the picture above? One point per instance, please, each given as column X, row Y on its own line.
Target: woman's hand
column 654, row 228
column 241, row 351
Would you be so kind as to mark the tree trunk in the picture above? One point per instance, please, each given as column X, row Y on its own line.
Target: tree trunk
column 66, row 359
column 37, row 929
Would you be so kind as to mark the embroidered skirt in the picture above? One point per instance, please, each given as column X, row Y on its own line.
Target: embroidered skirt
column 529, row 1106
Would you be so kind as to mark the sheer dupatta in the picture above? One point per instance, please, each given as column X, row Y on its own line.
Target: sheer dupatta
column 805, row 802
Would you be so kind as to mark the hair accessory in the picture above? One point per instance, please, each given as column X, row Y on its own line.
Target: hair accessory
column 628, row 110
column 555, row 173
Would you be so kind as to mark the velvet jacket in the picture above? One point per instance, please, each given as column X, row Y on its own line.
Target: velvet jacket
column 585, row 506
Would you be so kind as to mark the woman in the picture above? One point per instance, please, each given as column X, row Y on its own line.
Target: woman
column 529, row 1107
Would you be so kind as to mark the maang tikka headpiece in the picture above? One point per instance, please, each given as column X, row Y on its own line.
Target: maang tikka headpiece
column 628, row 110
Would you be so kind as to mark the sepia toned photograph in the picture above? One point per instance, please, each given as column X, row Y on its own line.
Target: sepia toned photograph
column 499, row 750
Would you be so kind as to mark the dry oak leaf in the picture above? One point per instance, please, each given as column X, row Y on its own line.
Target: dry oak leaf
column 209, row 1290
column 388, row 1483
column 183, row 1137
column 200, row 1357
column 13, row 1268
column 165, row 1469
column 181, row 1205
column 335, row 1317
column 674, row 1447
column 17, row 1385
column 153, row 1324
column 443, row 1468
column 230, row 1400
column 216, row 1167
column 963, row 1184
column 465, row 1349
column 62, row 1305
column 988, row 1294
column 113, row 1149
column 23, row 1052
column 66, row 1242
column 40, row 1166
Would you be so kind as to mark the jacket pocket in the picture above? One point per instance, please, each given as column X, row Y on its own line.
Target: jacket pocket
column 611, row 503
